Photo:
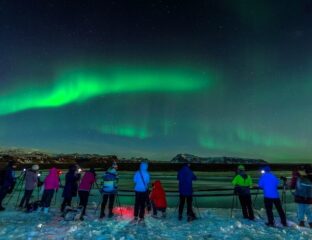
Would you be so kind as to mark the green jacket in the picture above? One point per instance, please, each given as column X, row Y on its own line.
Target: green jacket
column 242, row 183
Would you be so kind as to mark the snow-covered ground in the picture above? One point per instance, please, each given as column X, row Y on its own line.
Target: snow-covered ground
column 212, row 224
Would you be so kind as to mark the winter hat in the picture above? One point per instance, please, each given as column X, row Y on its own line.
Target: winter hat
column 35, row 167
column 241, row 167
column 114, row 165
column 267, row 169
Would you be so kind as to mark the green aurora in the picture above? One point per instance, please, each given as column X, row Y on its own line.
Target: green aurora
column 79, row 85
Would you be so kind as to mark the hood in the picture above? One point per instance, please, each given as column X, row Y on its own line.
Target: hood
column 111, row 170
column 157, row 184
column 53, row 171
column 143, row 166
column 243, row 174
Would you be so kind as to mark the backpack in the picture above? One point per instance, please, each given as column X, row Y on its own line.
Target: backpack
column 304, row 188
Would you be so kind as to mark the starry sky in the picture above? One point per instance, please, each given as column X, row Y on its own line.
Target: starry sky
column 156, row 78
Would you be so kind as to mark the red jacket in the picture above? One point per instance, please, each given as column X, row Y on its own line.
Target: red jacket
column 158, row 195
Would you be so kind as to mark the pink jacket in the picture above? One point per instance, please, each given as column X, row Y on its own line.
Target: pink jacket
column 52, row 180
column 86, row 182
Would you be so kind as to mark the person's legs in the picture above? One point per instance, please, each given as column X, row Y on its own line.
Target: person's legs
column 243, row 202
column 28, row 194
column 111, row 204
column 105, row 198
column 268, row 203
column 44, row 198
column 143, row 196
column 154, row 208
column 83, row 196
column 249, row 207
column 308, row 212
column 181, row 205
column 136, row 205
column 300, row 213
column 49, row 197
column 280, row 210
column 189, row 202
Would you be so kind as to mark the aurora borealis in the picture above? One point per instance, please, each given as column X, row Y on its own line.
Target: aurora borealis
column 153, row 79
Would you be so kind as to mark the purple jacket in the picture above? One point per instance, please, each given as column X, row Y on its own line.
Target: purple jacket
column 31, row 179
column 52, row 180
column 86, row 182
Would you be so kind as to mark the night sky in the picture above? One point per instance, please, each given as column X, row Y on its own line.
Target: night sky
column 157, row 78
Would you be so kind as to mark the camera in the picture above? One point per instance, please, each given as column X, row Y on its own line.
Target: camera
column 283, row 178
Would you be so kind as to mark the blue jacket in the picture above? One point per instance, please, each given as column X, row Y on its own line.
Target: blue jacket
column 110, row 181
column 186, row 178
column 139, row 184
column 269, row 183
column 71, row 184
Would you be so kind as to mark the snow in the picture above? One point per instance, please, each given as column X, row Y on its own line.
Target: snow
column 212, row 224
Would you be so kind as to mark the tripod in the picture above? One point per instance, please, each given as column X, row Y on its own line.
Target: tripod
column 234, row 203
column 19, row 184
column 284, row 195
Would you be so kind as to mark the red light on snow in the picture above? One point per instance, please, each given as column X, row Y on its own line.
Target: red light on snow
column 125, row 212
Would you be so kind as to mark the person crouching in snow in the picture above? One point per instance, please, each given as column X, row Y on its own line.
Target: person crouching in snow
column 51, row 184
column 242, row 184
column 158, row 199
column 85, row 186
column 109, row 190
column 71, row 186
column 31, row 182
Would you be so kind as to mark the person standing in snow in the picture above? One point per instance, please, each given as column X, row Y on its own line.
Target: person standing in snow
column 303, row 195
column 269, row 183
column 85, row 186
column 109, row 190
column 158, row 199
column 141, row 180
column 51, row 184
column 186, row 178
column 71, row 186
column 31, row 182
column 242, row 184
column 7, row 181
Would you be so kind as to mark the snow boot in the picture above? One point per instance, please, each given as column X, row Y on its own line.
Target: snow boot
column 310, row 224
column 301, row 224
column 39, row 209
column 163, row 215
column 46, row 210
column 134, row 220
column 102, row 215
column 180, row 217
column 141, row 221
column 110, row 215
column 270, row 224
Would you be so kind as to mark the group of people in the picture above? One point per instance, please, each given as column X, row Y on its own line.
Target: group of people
column 76, row 184
column 301, row 183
